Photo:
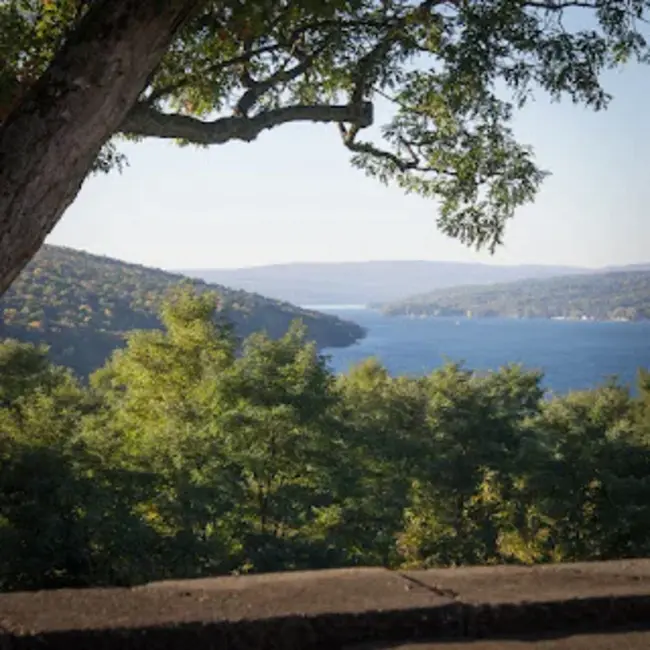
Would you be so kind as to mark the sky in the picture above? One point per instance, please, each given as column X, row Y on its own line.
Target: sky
column 292, row 196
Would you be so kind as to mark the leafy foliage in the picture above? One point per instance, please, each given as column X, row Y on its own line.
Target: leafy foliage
column 602, row 296
column 82, row 305
column 451, row 75
column 183, row 458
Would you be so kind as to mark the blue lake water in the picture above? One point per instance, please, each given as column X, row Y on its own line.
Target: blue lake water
column 572, row 354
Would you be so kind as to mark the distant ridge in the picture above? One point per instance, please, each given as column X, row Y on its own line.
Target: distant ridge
column 323, row 283
column 629, row 267
column 615, row 295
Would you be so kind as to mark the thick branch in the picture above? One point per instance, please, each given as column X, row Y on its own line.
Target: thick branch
column 146, row 121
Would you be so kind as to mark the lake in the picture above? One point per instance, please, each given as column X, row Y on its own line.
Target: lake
column 572, row 354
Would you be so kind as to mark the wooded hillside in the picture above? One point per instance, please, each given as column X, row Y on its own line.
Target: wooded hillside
column 81, row 305
column 603, row 296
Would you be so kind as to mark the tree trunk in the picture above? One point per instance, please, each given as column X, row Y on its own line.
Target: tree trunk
column 50, row 142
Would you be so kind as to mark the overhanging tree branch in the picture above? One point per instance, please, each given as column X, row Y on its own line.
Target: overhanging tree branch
column 125, row 59
column 148, row 122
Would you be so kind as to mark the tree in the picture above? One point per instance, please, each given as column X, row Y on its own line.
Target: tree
column 591, row 491
column 64, row 519
column 74, row 70
column 159, row 397
column 241, row 449
column 275, row 417
column 643, row 404
column 384, row 419
column 23, row 368
column 209, row 71
column 476, row 450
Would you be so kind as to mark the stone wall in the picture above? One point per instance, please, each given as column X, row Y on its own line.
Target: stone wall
column 334, row 609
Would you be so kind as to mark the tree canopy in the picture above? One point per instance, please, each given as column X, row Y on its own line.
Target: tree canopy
column 183, row 458
column 453, row 72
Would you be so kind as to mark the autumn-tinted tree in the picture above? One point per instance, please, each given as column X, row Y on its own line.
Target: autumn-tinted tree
column 210, row 71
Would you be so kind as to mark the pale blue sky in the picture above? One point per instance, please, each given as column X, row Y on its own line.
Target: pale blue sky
column 292, row 196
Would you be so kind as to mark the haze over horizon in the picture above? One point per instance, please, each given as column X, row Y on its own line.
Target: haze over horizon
column 292, row 196
column 371, row 261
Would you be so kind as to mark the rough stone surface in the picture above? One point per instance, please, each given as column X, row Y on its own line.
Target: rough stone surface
column 617, row 640
column 506, row 584
column 336, row 609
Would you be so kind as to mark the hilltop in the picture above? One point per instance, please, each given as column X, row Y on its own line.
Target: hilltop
column 81, row 305
column 367, row 282
column 602, row 296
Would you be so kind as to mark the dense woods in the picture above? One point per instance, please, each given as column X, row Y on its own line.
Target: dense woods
column 184, row 458
column 189, row 452
column 81, row 306
column 602, row 296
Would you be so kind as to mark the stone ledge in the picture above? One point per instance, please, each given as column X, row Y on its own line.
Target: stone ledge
column 333, row 608
column 628, row 639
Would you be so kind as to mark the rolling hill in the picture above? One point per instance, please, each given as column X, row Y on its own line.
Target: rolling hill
column 360, row 283
column 623, row 295
column 81, row 305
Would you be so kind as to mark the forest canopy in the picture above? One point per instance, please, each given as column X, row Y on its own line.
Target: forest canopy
column 184, row 459
column 189, row 455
